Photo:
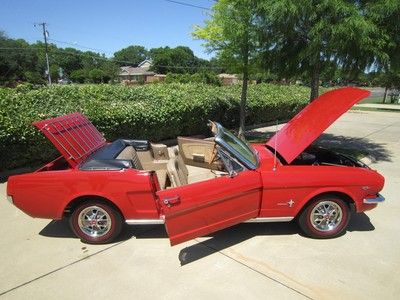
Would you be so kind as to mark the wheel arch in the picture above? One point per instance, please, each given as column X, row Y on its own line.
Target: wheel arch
column 69, row 208
column 340, row 194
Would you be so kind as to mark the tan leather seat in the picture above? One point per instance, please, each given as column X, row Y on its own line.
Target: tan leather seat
column 177, row 171
column 129, row 153
column 162, row 178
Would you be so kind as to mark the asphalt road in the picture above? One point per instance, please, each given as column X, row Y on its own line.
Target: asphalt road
column 40, row 259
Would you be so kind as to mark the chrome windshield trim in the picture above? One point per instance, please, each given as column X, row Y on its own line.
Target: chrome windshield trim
column 221, row 142
column 377, row 199
column 145, row 222
column 270, row 219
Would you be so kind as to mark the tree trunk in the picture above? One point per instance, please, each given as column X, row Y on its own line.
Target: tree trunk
column 385, row 94
column 243, row 98
column 315, row 82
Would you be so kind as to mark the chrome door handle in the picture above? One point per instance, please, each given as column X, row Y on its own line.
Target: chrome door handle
column 172, row 201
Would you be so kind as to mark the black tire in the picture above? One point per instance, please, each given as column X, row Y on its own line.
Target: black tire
column 96, row 222
column 326, row 216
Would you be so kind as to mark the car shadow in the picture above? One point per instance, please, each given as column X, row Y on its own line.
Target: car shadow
column 217, row 241
column 360, row 222
column 234, row 235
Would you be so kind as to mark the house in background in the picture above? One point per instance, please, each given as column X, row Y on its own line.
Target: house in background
column 229, row 79
column 139, row 74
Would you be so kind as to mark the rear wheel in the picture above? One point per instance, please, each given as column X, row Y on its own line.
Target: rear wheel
column 326, row 216
column 95, row 222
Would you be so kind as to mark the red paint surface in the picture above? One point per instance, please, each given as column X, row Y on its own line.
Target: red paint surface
column 309, row 123
column 73, row 135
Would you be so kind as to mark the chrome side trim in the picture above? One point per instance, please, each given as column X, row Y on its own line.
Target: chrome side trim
column 378, row 199
column 144, row 222
column 161, row 221
column 270, row 219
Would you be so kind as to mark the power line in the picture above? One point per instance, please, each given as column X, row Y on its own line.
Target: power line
column 19, row 48
column 188, row 4
column 81, row 46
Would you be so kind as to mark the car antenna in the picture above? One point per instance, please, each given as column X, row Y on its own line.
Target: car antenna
column 276, row 144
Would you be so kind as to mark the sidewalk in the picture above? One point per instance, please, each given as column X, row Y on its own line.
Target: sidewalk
column 379, row 106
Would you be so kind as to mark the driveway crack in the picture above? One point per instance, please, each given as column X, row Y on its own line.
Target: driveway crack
column 381, row 129
column 254, row 270
column 59, row 269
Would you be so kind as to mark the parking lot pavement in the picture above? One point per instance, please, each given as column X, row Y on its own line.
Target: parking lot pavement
column 41, row 259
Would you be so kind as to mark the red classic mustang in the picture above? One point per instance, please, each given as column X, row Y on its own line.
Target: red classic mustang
column 200, row 186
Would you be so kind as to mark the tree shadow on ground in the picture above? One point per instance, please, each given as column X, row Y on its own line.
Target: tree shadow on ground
column 374, row 151
column 218, row 241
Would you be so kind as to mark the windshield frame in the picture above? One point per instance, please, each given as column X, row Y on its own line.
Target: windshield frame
column 219, row 139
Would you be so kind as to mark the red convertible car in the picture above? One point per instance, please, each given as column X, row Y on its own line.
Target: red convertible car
column 201, row 185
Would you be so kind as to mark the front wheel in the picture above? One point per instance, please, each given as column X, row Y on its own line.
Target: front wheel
column 325, row 217
column 95, row 222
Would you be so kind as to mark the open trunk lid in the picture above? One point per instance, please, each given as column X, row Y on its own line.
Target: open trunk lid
column 314, row 119
column 74, row 136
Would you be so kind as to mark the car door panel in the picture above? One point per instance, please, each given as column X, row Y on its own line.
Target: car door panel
column 201, row 208
column 198, row 152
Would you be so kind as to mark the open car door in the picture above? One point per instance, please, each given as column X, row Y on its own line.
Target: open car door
column 203, row 207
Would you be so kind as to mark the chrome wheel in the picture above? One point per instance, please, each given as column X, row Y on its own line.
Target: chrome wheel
column 94, row 221
column 326, row 216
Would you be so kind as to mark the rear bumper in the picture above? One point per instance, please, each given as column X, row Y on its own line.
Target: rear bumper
column 378, row 199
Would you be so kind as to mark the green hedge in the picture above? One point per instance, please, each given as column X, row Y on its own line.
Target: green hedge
column 153, row 112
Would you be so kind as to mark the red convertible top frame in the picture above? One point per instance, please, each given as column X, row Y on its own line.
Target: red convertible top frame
column 73, row 135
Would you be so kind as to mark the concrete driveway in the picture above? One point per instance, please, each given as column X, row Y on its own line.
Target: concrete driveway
column 41, row 259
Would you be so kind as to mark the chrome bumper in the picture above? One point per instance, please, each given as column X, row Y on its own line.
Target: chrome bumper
column 378, row 199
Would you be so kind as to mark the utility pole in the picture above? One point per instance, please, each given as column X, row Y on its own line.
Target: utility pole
column 45, row 33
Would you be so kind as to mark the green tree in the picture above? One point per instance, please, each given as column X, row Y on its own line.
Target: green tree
column 78, row 76
column 180, row 60
column 232, row 32
column 18, row 61
column 96, row 76
column 110, row 70
column 307, row 37
column 132, row 55
column 386, row 14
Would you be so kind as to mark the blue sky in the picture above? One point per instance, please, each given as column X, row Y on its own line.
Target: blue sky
column 106, row 25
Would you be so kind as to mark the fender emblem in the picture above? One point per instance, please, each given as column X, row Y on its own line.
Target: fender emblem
column 290, row 203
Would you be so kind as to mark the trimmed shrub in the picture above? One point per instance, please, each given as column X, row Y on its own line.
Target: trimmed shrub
column 153, row 112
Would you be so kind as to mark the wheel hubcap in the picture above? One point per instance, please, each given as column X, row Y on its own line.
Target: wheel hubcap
column 94, row 221
column 326, row 216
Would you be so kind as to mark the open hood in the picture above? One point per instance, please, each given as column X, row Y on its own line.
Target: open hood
column 74, row 136
column 309, row 123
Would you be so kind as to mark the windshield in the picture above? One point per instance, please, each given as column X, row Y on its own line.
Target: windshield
column 240, row 149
